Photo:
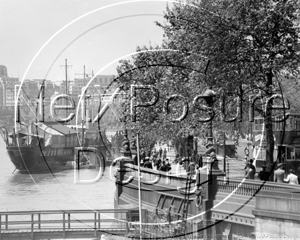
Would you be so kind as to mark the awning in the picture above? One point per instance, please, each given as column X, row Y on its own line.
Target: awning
column 63, row 129
column 20, row 135
column 48, row 129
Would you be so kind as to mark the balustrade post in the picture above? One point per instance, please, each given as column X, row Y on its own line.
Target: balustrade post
column 32, row 223
column 95, row 224
column 6, row 221
column 127, row 222
column 69, row 221
column 99, row 221
column 39, row 220
column 64, row 227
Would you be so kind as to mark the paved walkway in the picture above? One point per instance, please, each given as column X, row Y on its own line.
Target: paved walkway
column 236, row 166
column 170, row 150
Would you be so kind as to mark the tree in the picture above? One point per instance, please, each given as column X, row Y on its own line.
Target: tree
column 171, row 73
column 249, row 44
column 290, row 86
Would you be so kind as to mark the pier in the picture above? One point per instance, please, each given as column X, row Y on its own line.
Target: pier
column 63, row 224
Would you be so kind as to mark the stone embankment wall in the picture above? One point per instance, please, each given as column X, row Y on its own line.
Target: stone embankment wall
column 277, row 215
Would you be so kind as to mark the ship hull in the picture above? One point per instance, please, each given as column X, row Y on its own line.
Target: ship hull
column 33, row 159
column 28, row 159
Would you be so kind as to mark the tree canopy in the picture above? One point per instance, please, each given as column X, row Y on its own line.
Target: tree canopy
column 241, row 46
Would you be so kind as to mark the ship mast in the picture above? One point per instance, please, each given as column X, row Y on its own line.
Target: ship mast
column 66, row 66
column 83, row 120
column 83, row 99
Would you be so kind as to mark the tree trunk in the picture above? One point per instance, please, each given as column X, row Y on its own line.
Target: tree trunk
column 269, row 127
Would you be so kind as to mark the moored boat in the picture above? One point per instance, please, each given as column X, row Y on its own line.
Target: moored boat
column 40, row 146
column 44, row 146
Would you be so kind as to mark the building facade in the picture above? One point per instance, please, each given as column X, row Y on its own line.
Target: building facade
column 7, row 87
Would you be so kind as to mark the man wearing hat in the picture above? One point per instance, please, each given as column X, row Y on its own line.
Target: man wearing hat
column 279, row 173
column 263, row 174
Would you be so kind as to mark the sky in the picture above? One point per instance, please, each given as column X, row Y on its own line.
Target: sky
column 38, row 35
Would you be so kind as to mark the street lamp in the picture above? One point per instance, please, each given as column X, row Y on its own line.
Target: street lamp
column 209, row 99
column 125, row 143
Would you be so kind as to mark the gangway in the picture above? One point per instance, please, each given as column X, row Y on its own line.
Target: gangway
column 63, row 224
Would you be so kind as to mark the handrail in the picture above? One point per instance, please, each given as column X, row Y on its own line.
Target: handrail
column 63, row 220
column 66, row 211
column 152, row 176
column 250, row 187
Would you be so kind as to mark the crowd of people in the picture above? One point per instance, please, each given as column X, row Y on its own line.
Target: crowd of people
column 158, row 160
column 160, row 165
column 279, row 174
column 264, row 174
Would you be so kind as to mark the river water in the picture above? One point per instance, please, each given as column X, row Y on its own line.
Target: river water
column 47, row 191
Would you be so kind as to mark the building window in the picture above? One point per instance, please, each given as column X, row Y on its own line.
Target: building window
column 290, row 153
column 297, row 124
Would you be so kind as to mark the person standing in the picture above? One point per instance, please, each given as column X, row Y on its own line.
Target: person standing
column 143, row 155
column 279, row 174
column 165, row 154
column 263, row 174
column 163, row 167
column 160, row 152
column 213, row 160
column 177, row 158
column 249, row 172
column 157, row 163
column 252, row 166
column 147, row 163
column 191, row 170
column 168, row 165
column 292, row 178
column 154, row 154
column 200, row 161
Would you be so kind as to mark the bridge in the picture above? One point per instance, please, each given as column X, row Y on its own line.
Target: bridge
column 235, row 208
column 63, row 224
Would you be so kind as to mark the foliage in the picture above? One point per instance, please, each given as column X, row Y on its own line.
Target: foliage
column 291, row 86
column 158, row 68
column 240, row 46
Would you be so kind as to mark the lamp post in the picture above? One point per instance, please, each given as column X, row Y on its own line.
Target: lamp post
column 209, row 99
column 212, row 166
column 125, row 143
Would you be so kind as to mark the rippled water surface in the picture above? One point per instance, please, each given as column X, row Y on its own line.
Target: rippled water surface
column 49, row 191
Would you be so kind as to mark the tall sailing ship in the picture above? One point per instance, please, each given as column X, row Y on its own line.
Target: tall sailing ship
column 47, row 146
column 40, row 146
